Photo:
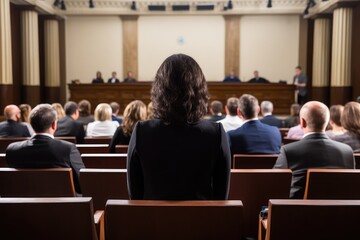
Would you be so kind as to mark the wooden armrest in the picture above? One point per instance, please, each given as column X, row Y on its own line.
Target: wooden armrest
column 99, row 224
column 262, row 228
column 264, row 223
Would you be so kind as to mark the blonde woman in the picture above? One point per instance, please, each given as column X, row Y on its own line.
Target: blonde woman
column 25, row 110
column 60, row 113
column 103, row 126
column 134, row 112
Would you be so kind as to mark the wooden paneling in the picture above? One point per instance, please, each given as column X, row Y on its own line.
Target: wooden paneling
column 232, row 44
column 130, row 45
column 340, row 95
column 320, row 94
column 355, row 68
column 31, row 95
column 51, row 94
column 6, row 96
column 281, row 95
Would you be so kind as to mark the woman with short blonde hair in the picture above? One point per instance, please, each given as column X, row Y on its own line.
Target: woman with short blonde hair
column 60, row 113
column 102, row 126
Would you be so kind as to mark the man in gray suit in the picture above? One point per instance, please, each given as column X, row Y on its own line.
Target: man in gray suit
column 300, row 81
column 315, row 150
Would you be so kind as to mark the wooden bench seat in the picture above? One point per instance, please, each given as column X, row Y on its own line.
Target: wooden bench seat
column 104, row 160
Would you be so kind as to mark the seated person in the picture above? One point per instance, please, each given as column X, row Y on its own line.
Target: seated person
column 232, row 120
column 295, row 132
column 85, row 116
column 134, row 112
column 42, row 150
column 293, row 120
column 232, row 77
column 113, row 78
column 216, row 111
column 257, row 79
column 253, row 137
column 11, row 127
column 335, row 121
column 266, row 110
column 115, row 108
column 103, row 124
column 130, row 77
column 98, row 78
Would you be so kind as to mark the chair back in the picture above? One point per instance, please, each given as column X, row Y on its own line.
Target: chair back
column 332, row 184
column 145, row 219
column 254, row 161
column 313, row 219
column 93, row 148
column 103, row 184
column 71, row 139
column 104, row 160
column 5, row 142
column 47, row 218
column 49, row 182
column 98, row 140
column 254, row 187
column 289, row 140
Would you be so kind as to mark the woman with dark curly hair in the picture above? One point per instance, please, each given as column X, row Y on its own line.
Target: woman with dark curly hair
column 177, row 155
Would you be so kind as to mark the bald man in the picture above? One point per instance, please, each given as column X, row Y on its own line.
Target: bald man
column 11, row 127
column 315, row 150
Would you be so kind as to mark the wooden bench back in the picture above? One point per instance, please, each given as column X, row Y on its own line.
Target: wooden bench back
column 254, row 161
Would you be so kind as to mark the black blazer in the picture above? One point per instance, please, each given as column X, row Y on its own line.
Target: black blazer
column 259, row 80
column 10, row 129
column 97, row 80
column 272, row 121
column 44, row 152
column 116, row 80
column 178, row 162
column 67, row 126
column 119, row 138
column 314, row 151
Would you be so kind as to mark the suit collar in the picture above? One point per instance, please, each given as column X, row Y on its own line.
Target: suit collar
column 316, row 135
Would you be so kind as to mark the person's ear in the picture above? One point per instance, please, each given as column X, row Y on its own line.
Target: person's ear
column 240, row 114
column 303, row 123
column 227, row 110
column 54, row 125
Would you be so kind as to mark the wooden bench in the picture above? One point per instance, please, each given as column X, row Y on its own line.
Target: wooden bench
column 49, row 218
column 121, row 148
column 332, row 184
column 3, row 163
column 93, row 148
column 357, row 160
column 50, row 182
column 289, row 140
column 97, row 140
column 104, row 160
column 103, row 184
column 254, row 188
column 311, row 220
column 254, row 161
column 145, row 219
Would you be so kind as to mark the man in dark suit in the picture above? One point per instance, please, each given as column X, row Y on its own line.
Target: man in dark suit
column 11, row 127
column 130, row 77
column 113, row 78
column 42, row 150
column 232, row 77
column 257, row 79
column 115, row 108
column 253, row 137
column 315, row 150
column 216, row 111
column 68, row 126
column 266, row 110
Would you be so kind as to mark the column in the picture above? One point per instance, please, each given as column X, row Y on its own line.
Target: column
column 341, row 90
column 52, row 60
column 130, row 45
column 6, row 77
column 232, row 45
column 30, row 57
column 321, row 60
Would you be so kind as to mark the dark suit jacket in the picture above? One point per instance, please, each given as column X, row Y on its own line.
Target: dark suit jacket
column 116, row 80
column 44, row 152
column 272, row 121
column 178, row 162
column 97, row 80
column 259, row 80
column 67, row 126
column 114, row 118
column 314, row 151
column 10, row 129
column 215, row 118
column 118, row 139
column 232, row 79
column 254, row 137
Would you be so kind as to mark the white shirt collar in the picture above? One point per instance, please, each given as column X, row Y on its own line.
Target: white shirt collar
column 309, row 133
column 43, row 134
column 251, row 119
column 267, row 114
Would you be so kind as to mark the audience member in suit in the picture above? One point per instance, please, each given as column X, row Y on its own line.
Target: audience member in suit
column 134, row 112
column 315, row 150
column 115, row 108
column 130, row 77
column 350, row 119
column 68, row 126
column 257, row 79
column 293, row 120
column 42, row 150
column 103, row 125
column 113, row 78
column 216, row 111
column 60, row 113
column 232, row 77
column 11, row 127
column 98, row 78
column 179, row 156
column 253, row 137
column 85, row 116
column 232, row 120
column 300, row 81
column 335, row 121
column 266, row 110
column 25, row 110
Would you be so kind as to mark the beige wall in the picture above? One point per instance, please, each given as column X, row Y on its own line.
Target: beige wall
column 269, row 44
column 201, row 37
column 92, row 44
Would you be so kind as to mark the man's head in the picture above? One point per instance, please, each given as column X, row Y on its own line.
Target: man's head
column 248, row 107
column 298, row 70
column 232, row 105
column 266, row 107
column 314, row 117
column 232, row 73
column 43, row 119
column 12, row 112
column 130, row 74
column 335, row 114
column 71, row 110
column 256, row 73
column 113, row 74
column 115, row 108
column 216, row 107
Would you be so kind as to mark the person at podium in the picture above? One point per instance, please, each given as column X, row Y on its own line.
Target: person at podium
column 98, row 78
column 257, row 78
column 232, row 77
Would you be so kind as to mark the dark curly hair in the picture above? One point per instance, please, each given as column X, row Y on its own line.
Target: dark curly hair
column 179, row 92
